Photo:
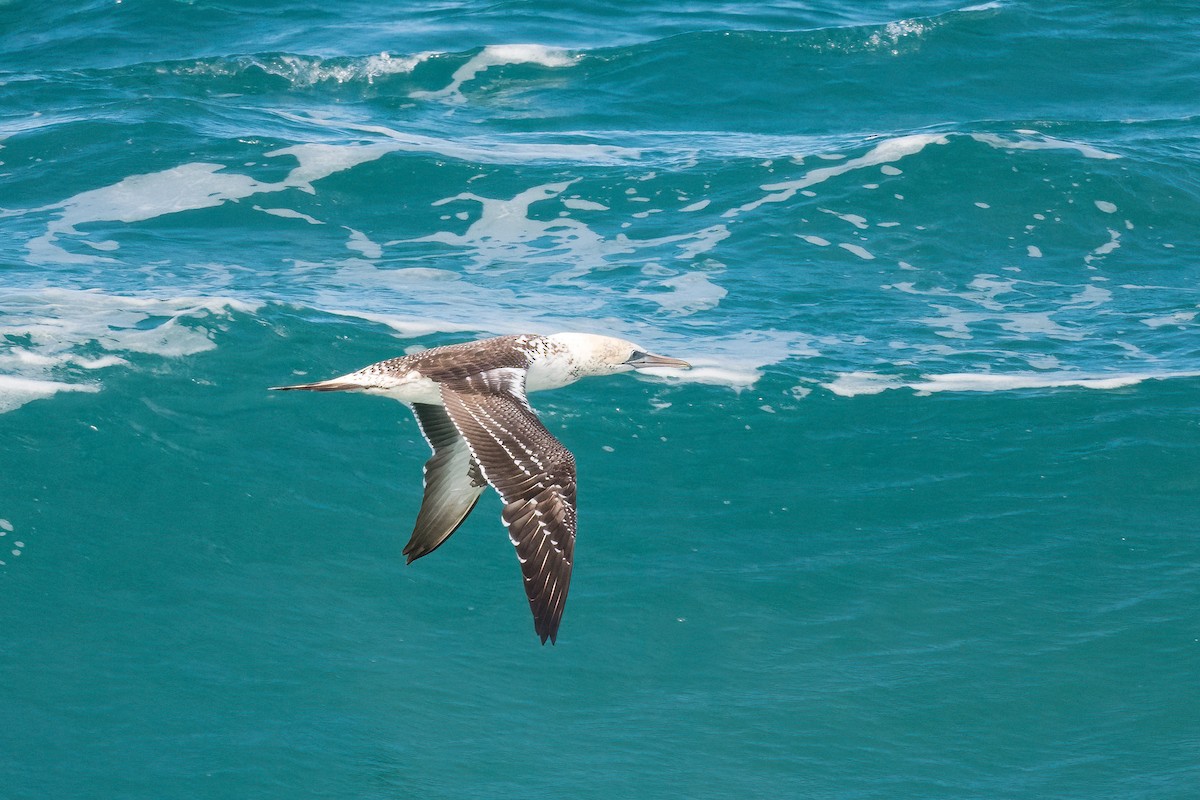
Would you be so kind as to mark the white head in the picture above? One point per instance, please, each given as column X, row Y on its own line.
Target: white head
column 605, row 355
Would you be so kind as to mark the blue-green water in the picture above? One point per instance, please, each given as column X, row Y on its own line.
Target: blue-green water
column 920, row 524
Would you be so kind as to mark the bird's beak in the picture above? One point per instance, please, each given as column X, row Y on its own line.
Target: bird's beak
column 640, row 359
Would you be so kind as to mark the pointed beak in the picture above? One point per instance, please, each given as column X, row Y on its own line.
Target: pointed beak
column 640, row 359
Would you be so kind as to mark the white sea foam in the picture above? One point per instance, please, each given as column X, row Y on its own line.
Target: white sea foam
column 137, row 198
column 865, row 383
column 506, row 231
column 287, row 213
column 411, row 327
column 496, row 56
column 188, row 187
column 515, row 231
column 492, row 150
column 361, row 243
column 857, row 250
column 852, row 384
column 578, row 204
column 1178, row 318
column 58, row 327
column 1114, row 241
column 1041, row 142
column 302, row 71
column 16, row 391
column 1091, row 296
column 856, row 220
column 689, row 293
column 730, row 376
column 316, row 161
column 201, row 185
column 892, row 150
column 55, row 320
column 957, row 323
column 887, row 151
column 891, row 33
column 1002, row 302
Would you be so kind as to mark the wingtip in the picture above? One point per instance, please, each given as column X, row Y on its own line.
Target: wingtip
column 548, row 618
column 546, row 630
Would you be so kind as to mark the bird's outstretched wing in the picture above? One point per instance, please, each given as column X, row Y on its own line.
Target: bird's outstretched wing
column 453, row 482
column 534, row 474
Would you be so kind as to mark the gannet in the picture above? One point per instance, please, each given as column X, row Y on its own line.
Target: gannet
column 470, row 403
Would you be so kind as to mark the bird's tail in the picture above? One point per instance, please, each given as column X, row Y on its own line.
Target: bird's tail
column 334, row 385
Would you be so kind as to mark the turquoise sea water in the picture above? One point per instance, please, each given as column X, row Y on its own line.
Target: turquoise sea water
column 921, row 523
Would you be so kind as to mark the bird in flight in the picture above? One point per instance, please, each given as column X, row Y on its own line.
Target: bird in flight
column 470, row 403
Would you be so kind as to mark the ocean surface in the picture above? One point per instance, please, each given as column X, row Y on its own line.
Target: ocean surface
column 922, row 522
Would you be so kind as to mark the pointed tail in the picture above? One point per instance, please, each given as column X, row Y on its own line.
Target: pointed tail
column 334, row 385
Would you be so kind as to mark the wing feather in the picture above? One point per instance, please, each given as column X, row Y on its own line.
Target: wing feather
column 453, row 482
column 534, row 474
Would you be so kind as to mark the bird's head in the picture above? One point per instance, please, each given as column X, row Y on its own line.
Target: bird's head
column 606, row 355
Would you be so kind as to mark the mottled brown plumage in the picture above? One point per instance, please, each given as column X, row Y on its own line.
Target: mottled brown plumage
column 470, row 403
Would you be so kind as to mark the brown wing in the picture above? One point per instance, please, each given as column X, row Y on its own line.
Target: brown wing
column 453, row 482
column 534, row 474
